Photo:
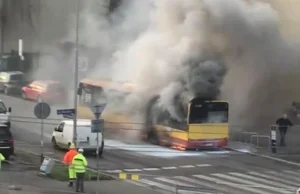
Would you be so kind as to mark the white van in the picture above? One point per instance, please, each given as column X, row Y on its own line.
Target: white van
column 62, row 136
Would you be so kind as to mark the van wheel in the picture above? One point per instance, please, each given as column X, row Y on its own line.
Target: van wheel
column 54, row 144
column 69, row 144
column 101, row 149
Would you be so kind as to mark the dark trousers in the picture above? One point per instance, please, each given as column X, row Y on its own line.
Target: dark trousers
column 282, row 133
column 79, row 182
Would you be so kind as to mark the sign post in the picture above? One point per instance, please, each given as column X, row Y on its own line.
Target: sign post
column 20, row 43
column 273, row 139
column 42, row 111
column 97, row 127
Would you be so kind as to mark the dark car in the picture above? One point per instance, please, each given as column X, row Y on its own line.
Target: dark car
column 11, row 82
column 6, row 142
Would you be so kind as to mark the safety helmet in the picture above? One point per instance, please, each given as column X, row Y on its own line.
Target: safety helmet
column 72, row 146
column 80, row 150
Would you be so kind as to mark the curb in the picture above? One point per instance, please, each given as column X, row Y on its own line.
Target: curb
column 265, row 156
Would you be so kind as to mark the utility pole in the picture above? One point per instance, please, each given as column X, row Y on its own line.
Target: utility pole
column 76, row 74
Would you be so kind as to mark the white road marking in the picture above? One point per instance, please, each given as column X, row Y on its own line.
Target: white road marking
column 283, row 176
column 261, row 180
column 237, row 186
column 187, row 166
column 156, row 184
column 133, row 170
column 206, row 185
column 218, row 152
column 173, row 182
column 251, row 183
column 156, row 169
column 151, row 169
column 113, row 171
column 168, row 167
column 203, row 165
column 295, row 174
column 275, row 178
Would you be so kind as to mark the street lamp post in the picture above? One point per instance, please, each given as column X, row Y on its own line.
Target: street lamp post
column 76, row 74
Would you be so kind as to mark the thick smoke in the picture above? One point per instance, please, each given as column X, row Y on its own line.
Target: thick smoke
column 161, row 46
column 263, row 64
column 168, row 47
column 246, row 48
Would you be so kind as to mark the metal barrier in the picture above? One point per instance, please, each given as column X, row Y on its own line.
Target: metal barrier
column 243, row 134
column 257, row 139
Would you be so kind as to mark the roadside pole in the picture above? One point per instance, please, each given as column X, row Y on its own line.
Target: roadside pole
column 97, row 127
column 97, row 152
column 42, row 139
column 76, row 74
column 42, row 111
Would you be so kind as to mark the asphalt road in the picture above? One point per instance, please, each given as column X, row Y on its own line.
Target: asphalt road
column 163, row 168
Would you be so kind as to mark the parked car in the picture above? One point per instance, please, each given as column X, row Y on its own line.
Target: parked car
column 4, row 114
column 44, row 91
column 11, row 82
column 62, row 136
column 6, row 142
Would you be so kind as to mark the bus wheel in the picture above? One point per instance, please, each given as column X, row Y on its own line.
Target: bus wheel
column 153, row 138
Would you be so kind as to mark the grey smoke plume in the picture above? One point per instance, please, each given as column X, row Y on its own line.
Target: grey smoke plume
column 263, row 64
column 188, row 46
column 161, row 46
column 167, row 47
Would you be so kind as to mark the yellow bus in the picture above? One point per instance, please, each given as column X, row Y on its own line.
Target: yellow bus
column 204, row 123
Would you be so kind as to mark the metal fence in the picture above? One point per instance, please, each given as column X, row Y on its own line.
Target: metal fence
column 262, row 140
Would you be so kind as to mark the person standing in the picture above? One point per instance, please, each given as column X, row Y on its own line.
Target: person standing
column 283, row 124
column 68, row 158
column 80, row 163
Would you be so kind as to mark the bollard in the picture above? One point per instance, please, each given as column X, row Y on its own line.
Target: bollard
column 273, row 139
column 42, row 158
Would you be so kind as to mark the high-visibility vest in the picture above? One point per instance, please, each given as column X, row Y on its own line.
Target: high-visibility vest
column 79, row 163
column 68, row 158
column 1, row 159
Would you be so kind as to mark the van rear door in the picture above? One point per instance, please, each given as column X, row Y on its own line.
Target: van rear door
column 86, row 138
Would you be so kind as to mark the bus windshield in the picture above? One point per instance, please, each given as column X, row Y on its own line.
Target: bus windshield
column 208, row 112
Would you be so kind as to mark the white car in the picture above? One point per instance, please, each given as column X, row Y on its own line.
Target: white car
column 5, row 114
column 62, row 136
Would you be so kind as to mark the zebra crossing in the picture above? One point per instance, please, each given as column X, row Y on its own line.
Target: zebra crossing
column 250, row 182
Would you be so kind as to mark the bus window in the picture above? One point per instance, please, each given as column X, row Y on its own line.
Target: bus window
column 217, row 112
column 209, row 112
column 198, row 113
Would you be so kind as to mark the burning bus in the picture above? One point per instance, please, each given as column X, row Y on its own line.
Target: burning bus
column 204, row 121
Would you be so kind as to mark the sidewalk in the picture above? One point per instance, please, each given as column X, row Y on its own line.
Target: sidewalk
column 22, row 173
column 30, row 183
column 286, row 153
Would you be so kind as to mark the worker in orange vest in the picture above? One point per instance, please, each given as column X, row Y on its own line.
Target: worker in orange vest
column 68, row 158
